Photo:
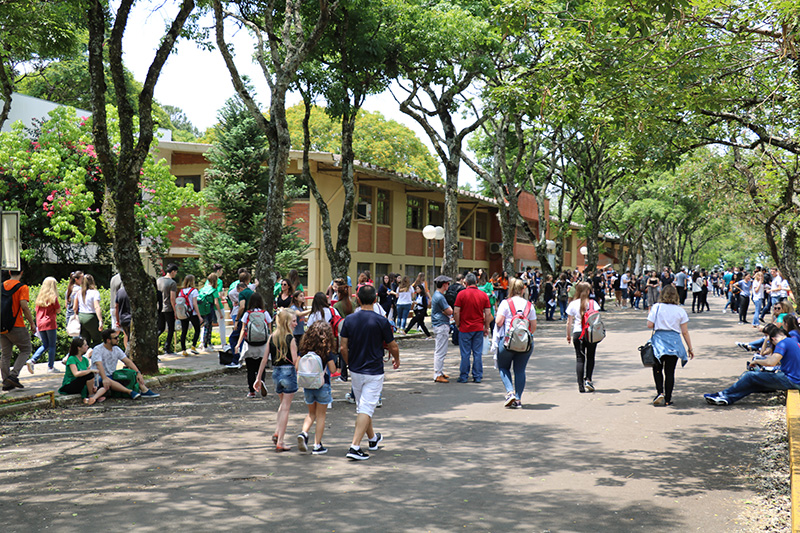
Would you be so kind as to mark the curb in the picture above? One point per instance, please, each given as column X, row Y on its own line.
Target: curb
column 793, row 431
column 76, row 398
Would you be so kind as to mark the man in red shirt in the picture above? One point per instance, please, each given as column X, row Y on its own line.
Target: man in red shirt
column 17, row 335
column 473, row 316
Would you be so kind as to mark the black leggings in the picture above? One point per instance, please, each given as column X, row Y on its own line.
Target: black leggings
column 195, row 321
column 697, row 301
column 584, row 354
column 252, row 371
column 664, row 375
column 77, row 385
column 418, row 319
column 744, row 304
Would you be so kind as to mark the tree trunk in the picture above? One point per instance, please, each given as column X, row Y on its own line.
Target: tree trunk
column 340, row 263
column 451, row 214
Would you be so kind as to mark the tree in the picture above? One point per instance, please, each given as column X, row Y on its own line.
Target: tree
column 285, row 38
column 182, row 128
column 355, row 58
column 447, row 48
column 34, row 32
column 376, row 140
column 122, row 163
column 236, row 192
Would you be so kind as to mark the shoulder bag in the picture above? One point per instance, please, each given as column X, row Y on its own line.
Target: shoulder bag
column 646, row 351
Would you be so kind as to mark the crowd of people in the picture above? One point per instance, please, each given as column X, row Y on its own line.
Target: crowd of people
column 348, row 333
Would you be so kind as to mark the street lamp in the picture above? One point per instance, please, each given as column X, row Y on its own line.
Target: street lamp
column 433, row 233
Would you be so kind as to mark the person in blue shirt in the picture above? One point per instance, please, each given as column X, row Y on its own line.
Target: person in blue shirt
column 746, row 286
column 440, row 320
column 786, row 354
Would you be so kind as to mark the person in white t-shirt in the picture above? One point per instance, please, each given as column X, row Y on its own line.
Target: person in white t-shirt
column 505, row 357
column 669, row 321
column 584, row 350
column 87, row 306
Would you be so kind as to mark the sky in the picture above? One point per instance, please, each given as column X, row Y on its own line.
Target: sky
column 197, row 81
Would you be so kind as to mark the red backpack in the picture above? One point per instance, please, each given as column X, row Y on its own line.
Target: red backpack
column 336, row 319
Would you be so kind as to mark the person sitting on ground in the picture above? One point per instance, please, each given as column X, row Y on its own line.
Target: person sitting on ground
column 127, row 381
column 79, row 378
column 779, row 311
column 786, row 354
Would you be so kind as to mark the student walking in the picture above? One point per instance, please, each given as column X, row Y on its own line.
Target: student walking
column 362, row 338
column 47, row 307
column 318, row 340
column 669, row 321
column 584, row 350
column 282, row 351
column 515, row 306
column 420, row 310
column 14, row 333
column 169, row 292
column 255, row 326
column 404, row 297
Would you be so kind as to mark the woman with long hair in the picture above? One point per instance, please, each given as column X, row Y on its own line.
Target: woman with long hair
column 284, row 298
column 87, row 305
column 420, row 311
column 420, row 281
column 299, row 308
column 318, row 340
column 282, row 349
column 653, row 284
column 404, row 296
column 584, row 350
column 294, row 280
column 79, row 377
column 506, row 358
column 745, row 288
column 189, row 293
column 386, row 296
column 669, row 322
column 47, row 307
column 344, row 304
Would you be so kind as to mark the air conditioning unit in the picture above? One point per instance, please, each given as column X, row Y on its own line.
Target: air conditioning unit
column 363, row 211
column 495, row 248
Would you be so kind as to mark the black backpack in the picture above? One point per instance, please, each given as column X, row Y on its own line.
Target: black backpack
column 7, row 316
column 451, row 293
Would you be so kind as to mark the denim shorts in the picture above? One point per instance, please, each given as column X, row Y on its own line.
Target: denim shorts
column 321, row 395
column 285, row 379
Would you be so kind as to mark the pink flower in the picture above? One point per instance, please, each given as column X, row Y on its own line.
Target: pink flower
column 50, row 198
column 50, row 213
column 44, row 205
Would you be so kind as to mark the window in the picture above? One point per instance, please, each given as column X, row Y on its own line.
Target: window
column 480, row 226
column 381, row 269
column 364, row 204
column 183, row 181
column 466, row 228
column 436, row 214
column 414, row 213
column 413, row 270
column 382, row 212
column 361, row 267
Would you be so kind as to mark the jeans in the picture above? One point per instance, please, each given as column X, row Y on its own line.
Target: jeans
column 549, row 311
column 755, row 346
column 562, row 305
column 166, row 320
column 49, row 344
column 751, row 382
column 505, row 358
column 757, row 314
column 402, row 315
column 233, row 340
column 208, row 325
column 471, row 342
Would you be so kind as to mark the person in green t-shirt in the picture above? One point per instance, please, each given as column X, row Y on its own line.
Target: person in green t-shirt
column 79, row 378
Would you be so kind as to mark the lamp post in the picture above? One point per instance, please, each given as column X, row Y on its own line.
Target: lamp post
column 433, row 233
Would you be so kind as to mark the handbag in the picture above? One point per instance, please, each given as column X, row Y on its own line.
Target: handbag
column 646, row 351
column 74, row 326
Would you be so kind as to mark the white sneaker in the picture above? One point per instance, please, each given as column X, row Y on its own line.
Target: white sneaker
column 53, row 371
column 30, row 366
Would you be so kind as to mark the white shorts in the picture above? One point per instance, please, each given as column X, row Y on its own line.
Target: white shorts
column 367, row 389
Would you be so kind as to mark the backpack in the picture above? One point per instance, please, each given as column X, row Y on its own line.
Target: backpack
column 452, row 292
column 205, row 300
column 310, row 371
column 592, row 327
column 562, row 290
column 183, row 309
column 336, row 319
column 257, row 332
column 518, row 337
column 7, row 316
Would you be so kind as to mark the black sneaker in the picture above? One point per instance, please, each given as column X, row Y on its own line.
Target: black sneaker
column 319, row 449
column 302, row 442
column 16, row 382
column 373, row 444
column 357, row 455
column 8, row 384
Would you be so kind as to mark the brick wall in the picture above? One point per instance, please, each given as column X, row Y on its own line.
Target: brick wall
column 179, row 158
column 415, row 243
column 481, row 250
column 299, row 210
column 384, row 240
column 467, row 248
column 364, row 238
column 185, row 215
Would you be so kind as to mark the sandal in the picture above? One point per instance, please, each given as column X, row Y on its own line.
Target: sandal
column 282, row 448
column 275, row 439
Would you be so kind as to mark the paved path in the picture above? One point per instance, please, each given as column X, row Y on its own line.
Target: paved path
column 453, row 459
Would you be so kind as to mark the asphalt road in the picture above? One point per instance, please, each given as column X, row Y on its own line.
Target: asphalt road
column 200, row 457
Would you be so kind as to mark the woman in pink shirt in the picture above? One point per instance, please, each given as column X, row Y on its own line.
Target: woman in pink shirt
column 47, row 308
